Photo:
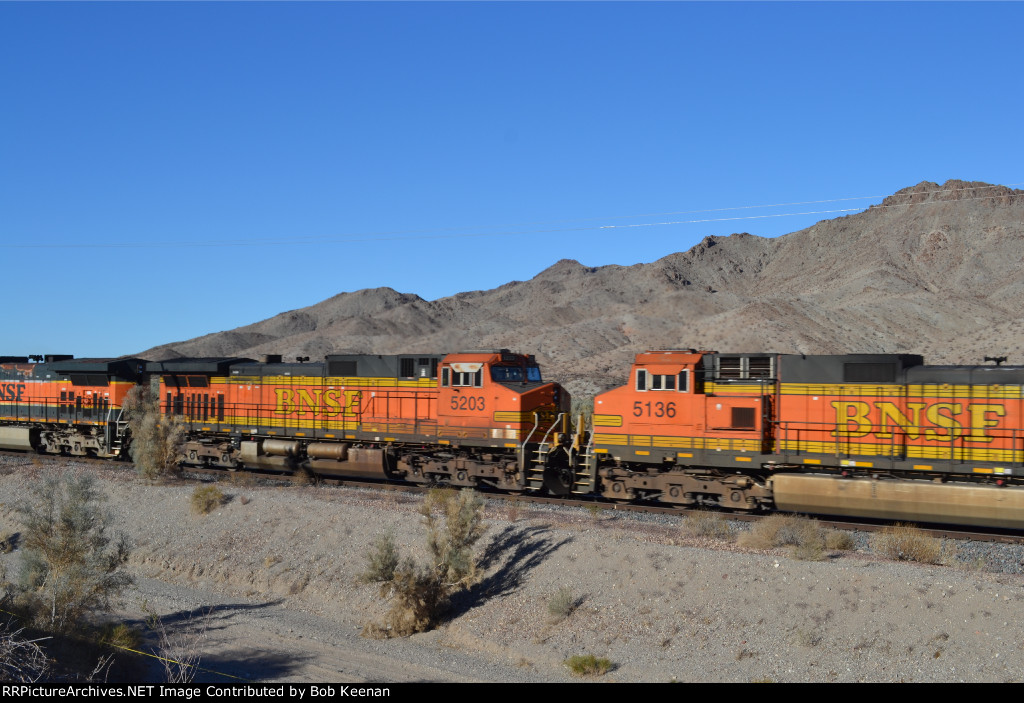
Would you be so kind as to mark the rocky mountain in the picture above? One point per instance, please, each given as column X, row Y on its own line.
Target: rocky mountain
column 933, row 269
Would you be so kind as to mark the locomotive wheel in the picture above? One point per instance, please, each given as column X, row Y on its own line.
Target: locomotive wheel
column 558, row 481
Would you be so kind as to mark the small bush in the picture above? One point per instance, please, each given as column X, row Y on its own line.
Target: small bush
column 155, row 440
column 805, row 536
column 810, row 550
column 562, row 604
column 588, row 665
column 421, row 594
column 707, row 523
column 839, row 541
column 419, row 599
column 908, row 543
column 381, row 560
column 71, row 566
column 206, row 498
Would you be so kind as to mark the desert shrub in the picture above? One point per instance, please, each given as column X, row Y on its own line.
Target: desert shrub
column 588, row 665
column 804, row 535
column 156, row 439
column 707, row 523
column 420, row 594
column 206, row 498
column 71, row 565
column 839, row 541
column 381, row 560
column 562, row 604
column 908, row 543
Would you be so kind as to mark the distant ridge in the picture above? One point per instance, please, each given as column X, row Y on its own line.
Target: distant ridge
column 933, row 269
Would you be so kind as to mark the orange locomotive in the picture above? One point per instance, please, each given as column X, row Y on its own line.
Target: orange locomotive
column 59, row 405
column 467, row 419
column 843, row 435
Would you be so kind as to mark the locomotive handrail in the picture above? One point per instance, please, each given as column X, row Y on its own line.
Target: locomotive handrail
column 522, row 447
column 958, row 450
column 553, row 425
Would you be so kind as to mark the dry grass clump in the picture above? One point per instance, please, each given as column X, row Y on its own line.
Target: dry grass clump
column 839, row 541
column 804, row 535
column 588, row 665
column 120, row 635
column 562, row 604
column 206, row 498
column 903, row 542
column 707, row 523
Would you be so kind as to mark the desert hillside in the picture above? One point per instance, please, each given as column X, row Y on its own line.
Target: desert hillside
column 933, row 269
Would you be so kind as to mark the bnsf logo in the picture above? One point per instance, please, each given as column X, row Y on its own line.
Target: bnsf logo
column 12, row 391
column 937, row 422
column 329, row 402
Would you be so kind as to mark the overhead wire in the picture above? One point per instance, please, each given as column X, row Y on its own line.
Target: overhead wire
column 451, row 232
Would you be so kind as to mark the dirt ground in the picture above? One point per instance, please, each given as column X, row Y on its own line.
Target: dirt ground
column 272, row 575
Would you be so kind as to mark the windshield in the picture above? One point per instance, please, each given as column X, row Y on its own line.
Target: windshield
column 506, row 374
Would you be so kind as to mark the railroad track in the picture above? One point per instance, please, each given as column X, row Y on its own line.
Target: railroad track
column 20, row 459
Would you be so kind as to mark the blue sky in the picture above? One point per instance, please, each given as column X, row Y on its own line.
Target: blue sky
column 173, row 169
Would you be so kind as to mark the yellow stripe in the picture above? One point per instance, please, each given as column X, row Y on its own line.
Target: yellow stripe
column 743, row 458
column 923, row 467
column 607, row 420
column 914, row 451
column 512, row 416
column 889, row 390
column 353, row 381
column 733, row 389
column 641, row 452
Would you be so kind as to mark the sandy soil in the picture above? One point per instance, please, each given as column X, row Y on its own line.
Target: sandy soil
column 274, row 574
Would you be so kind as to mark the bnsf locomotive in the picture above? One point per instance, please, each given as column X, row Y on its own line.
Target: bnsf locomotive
column 862, row 435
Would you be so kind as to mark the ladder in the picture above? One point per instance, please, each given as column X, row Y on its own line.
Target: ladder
column 115, row 431
column 539, row 461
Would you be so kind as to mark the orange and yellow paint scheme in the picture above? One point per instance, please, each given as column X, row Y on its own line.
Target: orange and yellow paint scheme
column 486, row 409
column 51, row 407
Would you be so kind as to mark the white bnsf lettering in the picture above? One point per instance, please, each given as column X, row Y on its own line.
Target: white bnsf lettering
column 363, row 692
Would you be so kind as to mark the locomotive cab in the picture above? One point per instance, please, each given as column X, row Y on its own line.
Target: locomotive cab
column 499, row 397
column 679, row 410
